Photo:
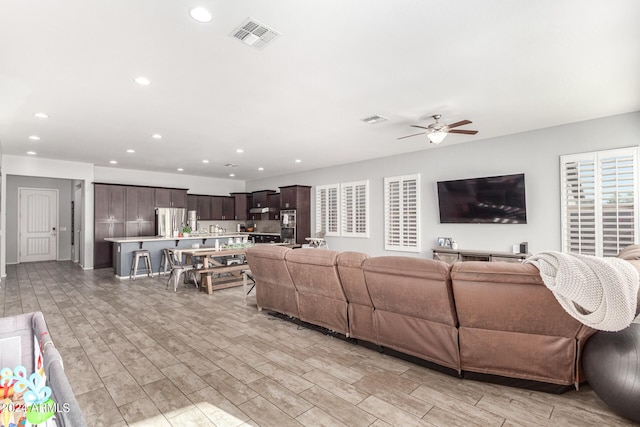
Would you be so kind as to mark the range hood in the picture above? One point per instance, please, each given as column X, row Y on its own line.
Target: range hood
column 259, row 210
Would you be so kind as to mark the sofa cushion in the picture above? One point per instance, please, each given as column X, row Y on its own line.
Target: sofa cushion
column 321, row 299
column 361, row 321
column 352, row 277
column 274, row 287
column 411, row 286
column 507, row 296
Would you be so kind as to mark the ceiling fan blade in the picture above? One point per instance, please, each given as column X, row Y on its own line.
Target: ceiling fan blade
column 409, row 136
column 421, row 127
column 460, row 123
column 466, row 132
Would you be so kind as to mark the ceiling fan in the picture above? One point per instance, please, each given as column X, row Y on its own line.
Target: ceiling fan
column 436, row 132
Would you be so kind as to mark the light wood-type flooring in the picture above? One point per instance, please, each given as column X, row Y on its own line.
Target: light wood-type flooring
column 139, row 354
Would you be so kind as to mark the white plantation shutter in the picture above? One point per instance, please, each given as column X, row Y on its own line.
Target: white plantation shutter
column 401, row 213
column 599, row 201
column 618, row 194
column 327, row 210
column 355, row 209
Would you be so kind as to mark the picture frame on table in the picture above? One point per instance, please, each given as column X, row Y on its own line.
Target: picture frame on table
column 444, row 242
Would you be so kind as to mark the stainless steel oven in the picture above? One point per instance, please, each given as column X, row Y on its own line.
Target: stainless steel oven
column 288, row 226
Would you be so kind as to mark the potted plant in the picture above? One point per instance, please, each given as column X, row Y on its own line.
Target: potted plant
column 185, row 231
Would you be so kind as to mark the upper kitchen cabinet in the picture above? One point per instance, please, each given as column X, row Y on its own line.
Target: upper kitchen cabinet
column 295, row 197
column 192, row 202
column 171, row 198
column 204, row 207
column 140, row 211
column 274, row 206
column 260, row 199
column 109, row 202
column 241, row 205
column 222, row 208
column 228, row 208
column 140, row 204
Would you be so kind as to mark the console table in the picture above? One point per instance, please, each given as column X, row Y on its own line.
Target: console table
column 452, row 255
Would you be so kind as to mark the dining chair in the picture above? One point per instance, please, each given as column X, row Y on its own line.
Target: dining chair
column 178, row 269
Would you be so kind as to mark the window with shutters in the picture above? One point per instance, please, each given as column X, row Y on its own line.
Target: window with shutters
column 328, row 209
column 599, row 201
column 402, row 213
column 355, row 209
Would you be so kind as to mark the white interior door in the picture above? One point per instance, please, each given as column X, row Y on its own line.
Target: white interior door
column 38, row 218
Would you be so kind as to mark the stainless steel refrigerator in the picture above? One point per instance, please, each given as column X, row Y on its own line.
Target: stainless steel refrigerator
column 170, row 221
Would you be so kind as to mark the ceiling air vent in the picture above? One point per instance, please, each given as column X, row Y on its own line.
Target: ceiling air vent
column 374, row 119
column 253, row 33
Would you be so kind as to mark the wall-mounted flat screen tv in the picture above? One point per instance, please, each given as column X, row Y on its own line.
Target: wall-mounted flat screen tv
column 493, row 199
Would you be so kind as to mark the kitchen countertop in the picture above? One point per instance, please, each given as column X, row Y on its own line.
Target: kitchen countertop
column 191, row 237
column 160, row 238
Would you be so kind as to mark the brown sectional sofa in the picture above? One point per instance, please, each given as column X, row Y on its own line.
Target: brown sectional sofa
column 483, row 320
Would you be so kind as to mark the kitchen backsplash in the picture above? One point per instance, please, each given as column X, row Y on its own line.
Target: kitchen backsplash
column 267, row 226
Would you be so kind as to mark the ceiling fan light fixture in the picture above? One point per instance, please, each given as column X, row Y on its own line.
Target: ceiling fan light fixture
column 437, row 136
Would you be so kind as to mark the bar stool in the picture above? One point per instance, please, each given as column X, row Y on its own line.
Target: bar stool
column 136, row 259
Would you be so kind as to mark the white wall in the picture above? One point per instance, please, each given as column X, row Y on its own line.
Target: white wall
column 65, row 195
column 195, row 184
column 535, row 153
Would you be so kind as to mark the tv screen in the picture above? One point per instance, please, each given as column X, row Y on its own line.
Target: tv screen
column 494, row 199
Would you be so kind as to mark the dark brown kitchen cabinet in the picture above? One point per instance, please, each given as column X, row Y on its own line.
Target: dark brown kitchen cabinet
column 140, row 204
column 192, row 202
column 298, row 197
column 170, row 198
column 274, row 206
column 109, row 221
column 292, row 195
column 228, row 208
column 260, row 199
column 241, row 205
column 222, row 208
column 140, row 211
column 204, row 207
column 109, row 202
column 201, row 204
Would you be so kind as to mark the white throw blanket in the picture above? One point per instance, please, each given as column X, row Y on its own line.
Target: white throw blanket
column 599, row 292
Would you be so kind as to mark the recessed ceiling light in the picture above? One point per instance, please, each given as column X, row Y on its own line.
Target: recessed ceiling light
column 239, row 150
column 180, row 170
column 260, row 168
column 142, row 81
column 34, row 138
column 200, row 14
column 156, row 136
column 298, row 161
column 205, row 161
column 31, row 153
column 41, row 115
column 113, row 162
column 232, row 174
column 131, row 151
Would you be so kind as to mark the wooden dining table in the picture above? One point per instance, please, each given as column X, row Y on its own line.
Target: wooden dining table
column 210, row 266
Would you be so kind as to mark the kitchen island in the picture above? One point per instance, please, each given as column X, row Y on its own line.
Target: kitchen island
column 123, row 248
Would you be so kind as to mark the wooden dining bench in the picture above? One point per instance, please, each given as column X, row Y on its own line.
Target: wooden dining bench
column 206, row 279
